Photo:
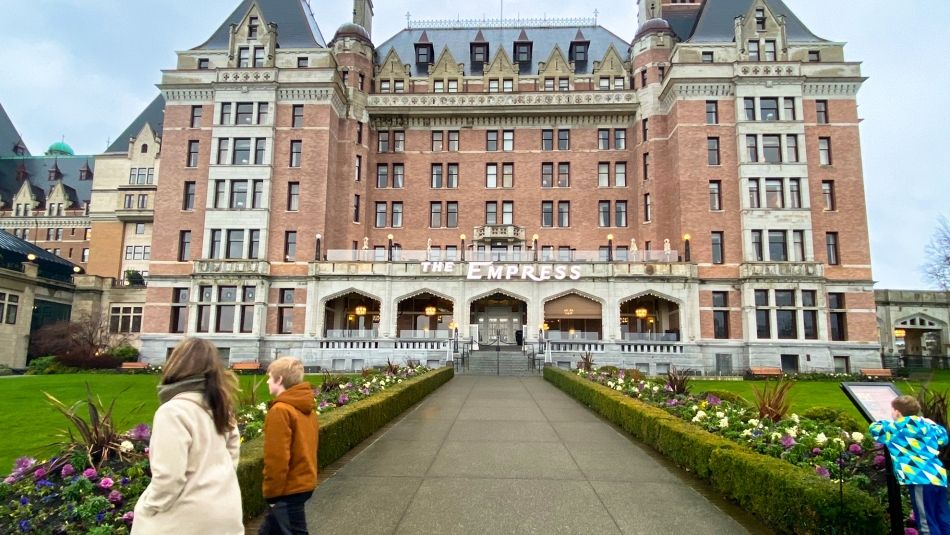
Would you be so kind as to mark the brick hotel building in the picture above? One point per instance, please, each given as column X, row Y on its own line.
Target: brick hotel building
column 693, row 198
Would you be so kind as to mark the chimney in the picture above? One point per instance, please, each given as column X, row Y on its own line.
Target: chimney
column 363, row 15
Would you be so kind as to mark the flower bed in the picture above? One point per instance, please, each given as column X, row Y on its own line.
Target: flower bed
column 777, row 471
column 68, row 496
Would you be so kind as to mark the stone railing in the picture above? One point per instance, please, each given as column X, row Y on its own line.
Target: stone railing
column 782, row 269
column 247, row 75
column 548, row 98
column 237, row 267
column 499, row 231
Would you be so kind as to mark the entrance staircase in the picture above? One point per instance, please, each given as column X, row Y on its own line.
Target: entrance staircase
column 508, row 361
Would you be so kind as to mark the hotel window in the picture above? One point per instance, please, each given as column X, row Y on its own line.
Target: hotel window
column 507, row 175
column 244, row 57
column 707, row 57
column 774, row 193
column 247, row 309
column 285, row 312
column 179, row 310
column 785, row 315
column 821, row 111
column 184, row 246
column 809, row 315
column 563, row 214
column 715, row 195
column 192, row 160
column 435, row 215
column 254, row 244
column 214, row 247
column 753, row 49
column 85, row 255
column 290, row 246
column 547, row 214
column 258, row 56
column 828, row 194
column 293, row 196
column 789, row 112
column 260, row 144
column 712, row 112
column 382, row 141
column 204, row 64
column 748, row 105
column 549, row 84
column 382, row 176
column 772, row 148
column 491, row 140
column 359, row 133
column 296, row 151
column 712, row 151
column 763, row 327
column 451, row 213
column 491, row 213
column 620, row 174
column 837, row 316
column 196, row 116
column 493, row 85
column 547, row 175
column 603, row 83
column 397, row 215
column 778, row 246
column 603, row 139
column 563, row 84
column 356, row 208
column 453, row 86
column 720, row 303
column 563, row 175
column 234, row 248
column 757, row 254
column 128, row 203
column 760, row 19
column 437, row 140
column 508, row 140
column 547, row 140
column 452, row 178
column 204, row 310
column 385, row 86
column 358, row 168
column 225, row 117
column 647, row 208
column 603, row 174
column 824, row 150
column 794, row 193
column 303, row 62
column 188, row 196
column 620, row 214
column 603, row 213
column 619, row 83
column 453, row 140
column 798, row 245
column 399, row 141
column 491, row 175
column 831, row 241
column 791, row 148
column 238, row 197
column 643, row 78
column 244, row 113
column 523, row 53
column 620, row 139
column 263, row 110
column 814, row 56
column 768, row 109
column 297, row 120
column 143, row 201
column 399, row 175
column 508, row 213
column 752, row 147
column 508, row 85
column 436, row 174
column 563, row 140
column 242, row 151
column 645, row 129
column 769, row 50
column 125, row 319
column 399, row 86
column 646, row 166
column 718, row 247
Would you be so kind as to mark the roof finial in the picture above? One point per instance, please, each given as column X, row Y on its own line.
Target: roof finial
column 408, row 20
column 596, row 12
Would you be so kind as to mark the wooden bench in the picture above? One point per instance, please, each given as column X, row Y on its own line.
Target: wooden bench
column 766, row 372
column 877, row 372
column 132, row 366
column 252, row 366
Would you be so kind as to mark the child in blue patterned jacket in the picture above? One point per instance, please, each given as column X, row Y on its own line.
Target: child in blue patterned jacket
column 914, row 443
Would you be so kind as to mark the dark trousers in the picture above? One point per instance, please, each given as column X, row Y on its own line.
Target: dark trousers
column 930, row 509
column 285, row 515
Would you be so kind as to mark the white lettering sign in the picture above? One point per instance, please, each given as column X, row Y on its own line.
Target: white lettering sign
column 492, row 271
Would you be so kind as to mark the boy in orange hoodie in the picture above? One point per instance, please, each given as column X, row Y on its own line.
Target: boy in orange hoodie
column 291, row 432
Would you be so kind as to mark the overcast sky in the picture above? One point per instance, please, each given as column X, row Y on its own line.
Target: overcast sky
column 84, row 69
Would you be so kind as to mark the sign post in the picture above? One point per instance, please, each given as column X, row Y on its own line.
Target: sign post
column 873, row 400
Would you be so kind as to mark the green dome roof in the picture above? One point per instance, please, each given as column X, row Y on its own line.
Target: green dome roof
column 60, row 149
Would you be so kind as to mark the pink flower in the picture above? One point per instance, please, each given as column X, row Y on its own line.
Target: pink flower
column 106, row 483
column 9, row 480
column 89, row 473
column 128, row 517
column 67, row 470
column 855, row 449
column 910, row 531
column 40, row 472
column 816, row 451
column 140, row 432
column 822, row 471
column 115, row 496
column 879, row 460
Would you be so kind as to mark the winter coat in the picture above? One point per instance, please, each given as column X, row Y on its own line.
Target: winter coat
column 914, row 444
column 291, row 432
column 194, row 487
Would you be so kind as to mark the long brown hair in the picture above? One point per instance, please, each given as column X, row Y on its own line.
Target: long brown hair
column 196, row 356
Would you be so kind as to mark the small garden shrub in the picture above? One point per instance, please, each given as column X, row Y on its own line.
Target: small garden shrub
column 933, row 405
column 586, row 362
column 772, row 400
column 5, row 370
column 126, row 353
column 611, row 370
column 678, row 381
column 835, row 416
column 48, row 365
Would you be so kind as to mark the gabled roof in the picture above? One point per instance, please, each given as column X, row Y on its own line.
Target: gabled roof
column 716, row 23
column 14, row 251
column 9, row 136
column 296, row 27
column 38, row 168
column 153, row 115
column 543, row 42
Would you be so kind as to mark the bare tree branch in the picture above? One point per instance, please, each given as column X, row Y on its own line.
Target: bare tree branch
column 936, row 267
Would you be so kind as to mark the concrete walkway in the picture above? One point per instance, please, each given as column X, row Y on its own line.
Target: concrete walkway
column 511, row 455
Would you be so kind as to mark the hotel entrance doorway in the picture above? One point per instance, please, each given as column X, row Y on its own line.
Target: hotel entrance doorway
column 500, row 319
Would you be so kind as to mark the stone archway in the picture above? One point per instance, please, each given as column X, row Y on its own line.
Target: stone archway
column 499, row 316
column 650, row 316
column 425, row 314
column 573, row 315
column 351, row 314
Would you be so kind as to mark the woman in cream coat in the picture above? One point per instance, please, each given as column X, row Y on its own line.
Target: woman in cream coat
column 194, row 449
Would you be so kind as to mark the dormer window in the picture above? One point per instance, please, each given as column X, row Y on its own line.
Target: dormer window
column 204, row 64
column 252, row 28
column 21, row 173
column 814, row 56
column 424, row 53
column 579, row 51
column 479, row 57
column 523, row 57
column 19, row 149
column 760, row 19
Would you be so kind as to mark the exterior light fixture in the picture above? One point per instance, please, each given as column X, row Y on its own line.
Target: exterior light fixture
column 31, row 257
column 900, row 333
column 430, row 311
column 640, row 312
column 360, row 310
column 568, row 311
column 77, row 269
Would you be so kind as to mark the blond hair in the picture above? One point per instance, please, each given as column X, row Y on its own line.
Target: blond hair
column 906, row 405
column 288, row 369
column 196, row 356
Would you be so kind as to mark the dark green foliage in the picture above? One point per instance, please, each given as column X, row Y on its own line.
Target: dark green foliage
column 773, row 401
column 612, row 370
column 762, row 485
column 933, row 405
column 835, row 416
column 125, row 353
column 49, row 365
column 331, row 382
column 678, row 381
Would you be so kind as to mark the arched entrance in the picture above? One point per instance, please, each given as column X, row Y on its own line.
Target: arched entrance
column 573, row 317
column 500, row 318
column 650, row 317
column 352, row 315
column 919, row 336
column 425, row 315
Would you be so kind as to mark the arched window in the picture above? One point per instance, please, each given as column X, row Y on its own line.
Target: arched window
column 144, row 148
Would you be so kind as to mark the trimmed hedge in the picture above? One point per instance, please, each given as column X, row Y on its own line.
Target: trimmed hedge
column 788, row 498
column 340, row 431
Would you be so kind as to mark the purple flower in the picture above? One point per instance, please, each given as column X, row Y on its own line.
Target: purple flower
column 878, row 446
column 668, row 388
column 100, row 517
column 672, row 402
column 106, row 483
column 128, row 517
column 816, row 452
column 787, row 441
column 39, row 473
column 140, row 432
column 9, row 480
column 125, row 481
column 24, row 500
column 22, row 465
column 713, row 400
column 343, row 399
column 67, row 470
column 855, row 449
column 879, row 460
column 44, row 483
column 89, row 473
column 910, row 531
column 24, row 526
column 822, row 471
column 115, row 496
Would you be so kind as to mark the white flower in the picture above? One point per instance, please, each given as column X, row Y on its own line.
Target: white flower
column 792, row 432
column 776, row 436
column 366, row 385
column 611, row 384
column 262, row 406
column 839, row 442
column 720, row 414
column 820, row 439
column 126, row 446
column 399, row 381
column 747, row 433
column 699, row 416
column 753, row 422
column 724, row 423
column 794, row 418
column 619, row 388
column 656, row 389
column 375, row 379
column 857, row 437
column 694, row 407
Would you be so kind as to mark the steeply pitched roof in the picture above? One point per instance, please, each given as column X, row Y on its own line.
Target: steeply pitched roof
column 153, row 114
column 716, row 22
column 296, row 26
column 8, row 134
column 38, row 168
column 543, row 42
column 13, row 252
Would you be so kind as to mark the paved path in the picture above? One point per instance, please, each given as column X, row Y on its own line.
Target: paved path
column 511, row 455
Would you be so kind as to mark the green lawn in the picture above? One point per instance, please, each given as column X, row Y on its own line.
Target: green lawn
column 28, row 424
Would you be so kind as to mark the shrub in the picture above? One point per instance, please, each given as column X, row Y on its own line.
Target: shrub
column 5, row 370
column 933, row 405
column 125, row 352
column 634, row 374
column 90, row 362
column 44, row 366
column 731, row 397
column 678, row 381
column 835, row 416
column 391, row 367
column 331, row 382
column 613, row 371
column 773, row 401
column 587, row 362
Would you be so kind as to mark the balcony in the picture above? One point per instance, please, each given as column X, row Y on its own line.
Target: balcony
column 782, row 269
column 231, row 267
column 499, row 232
